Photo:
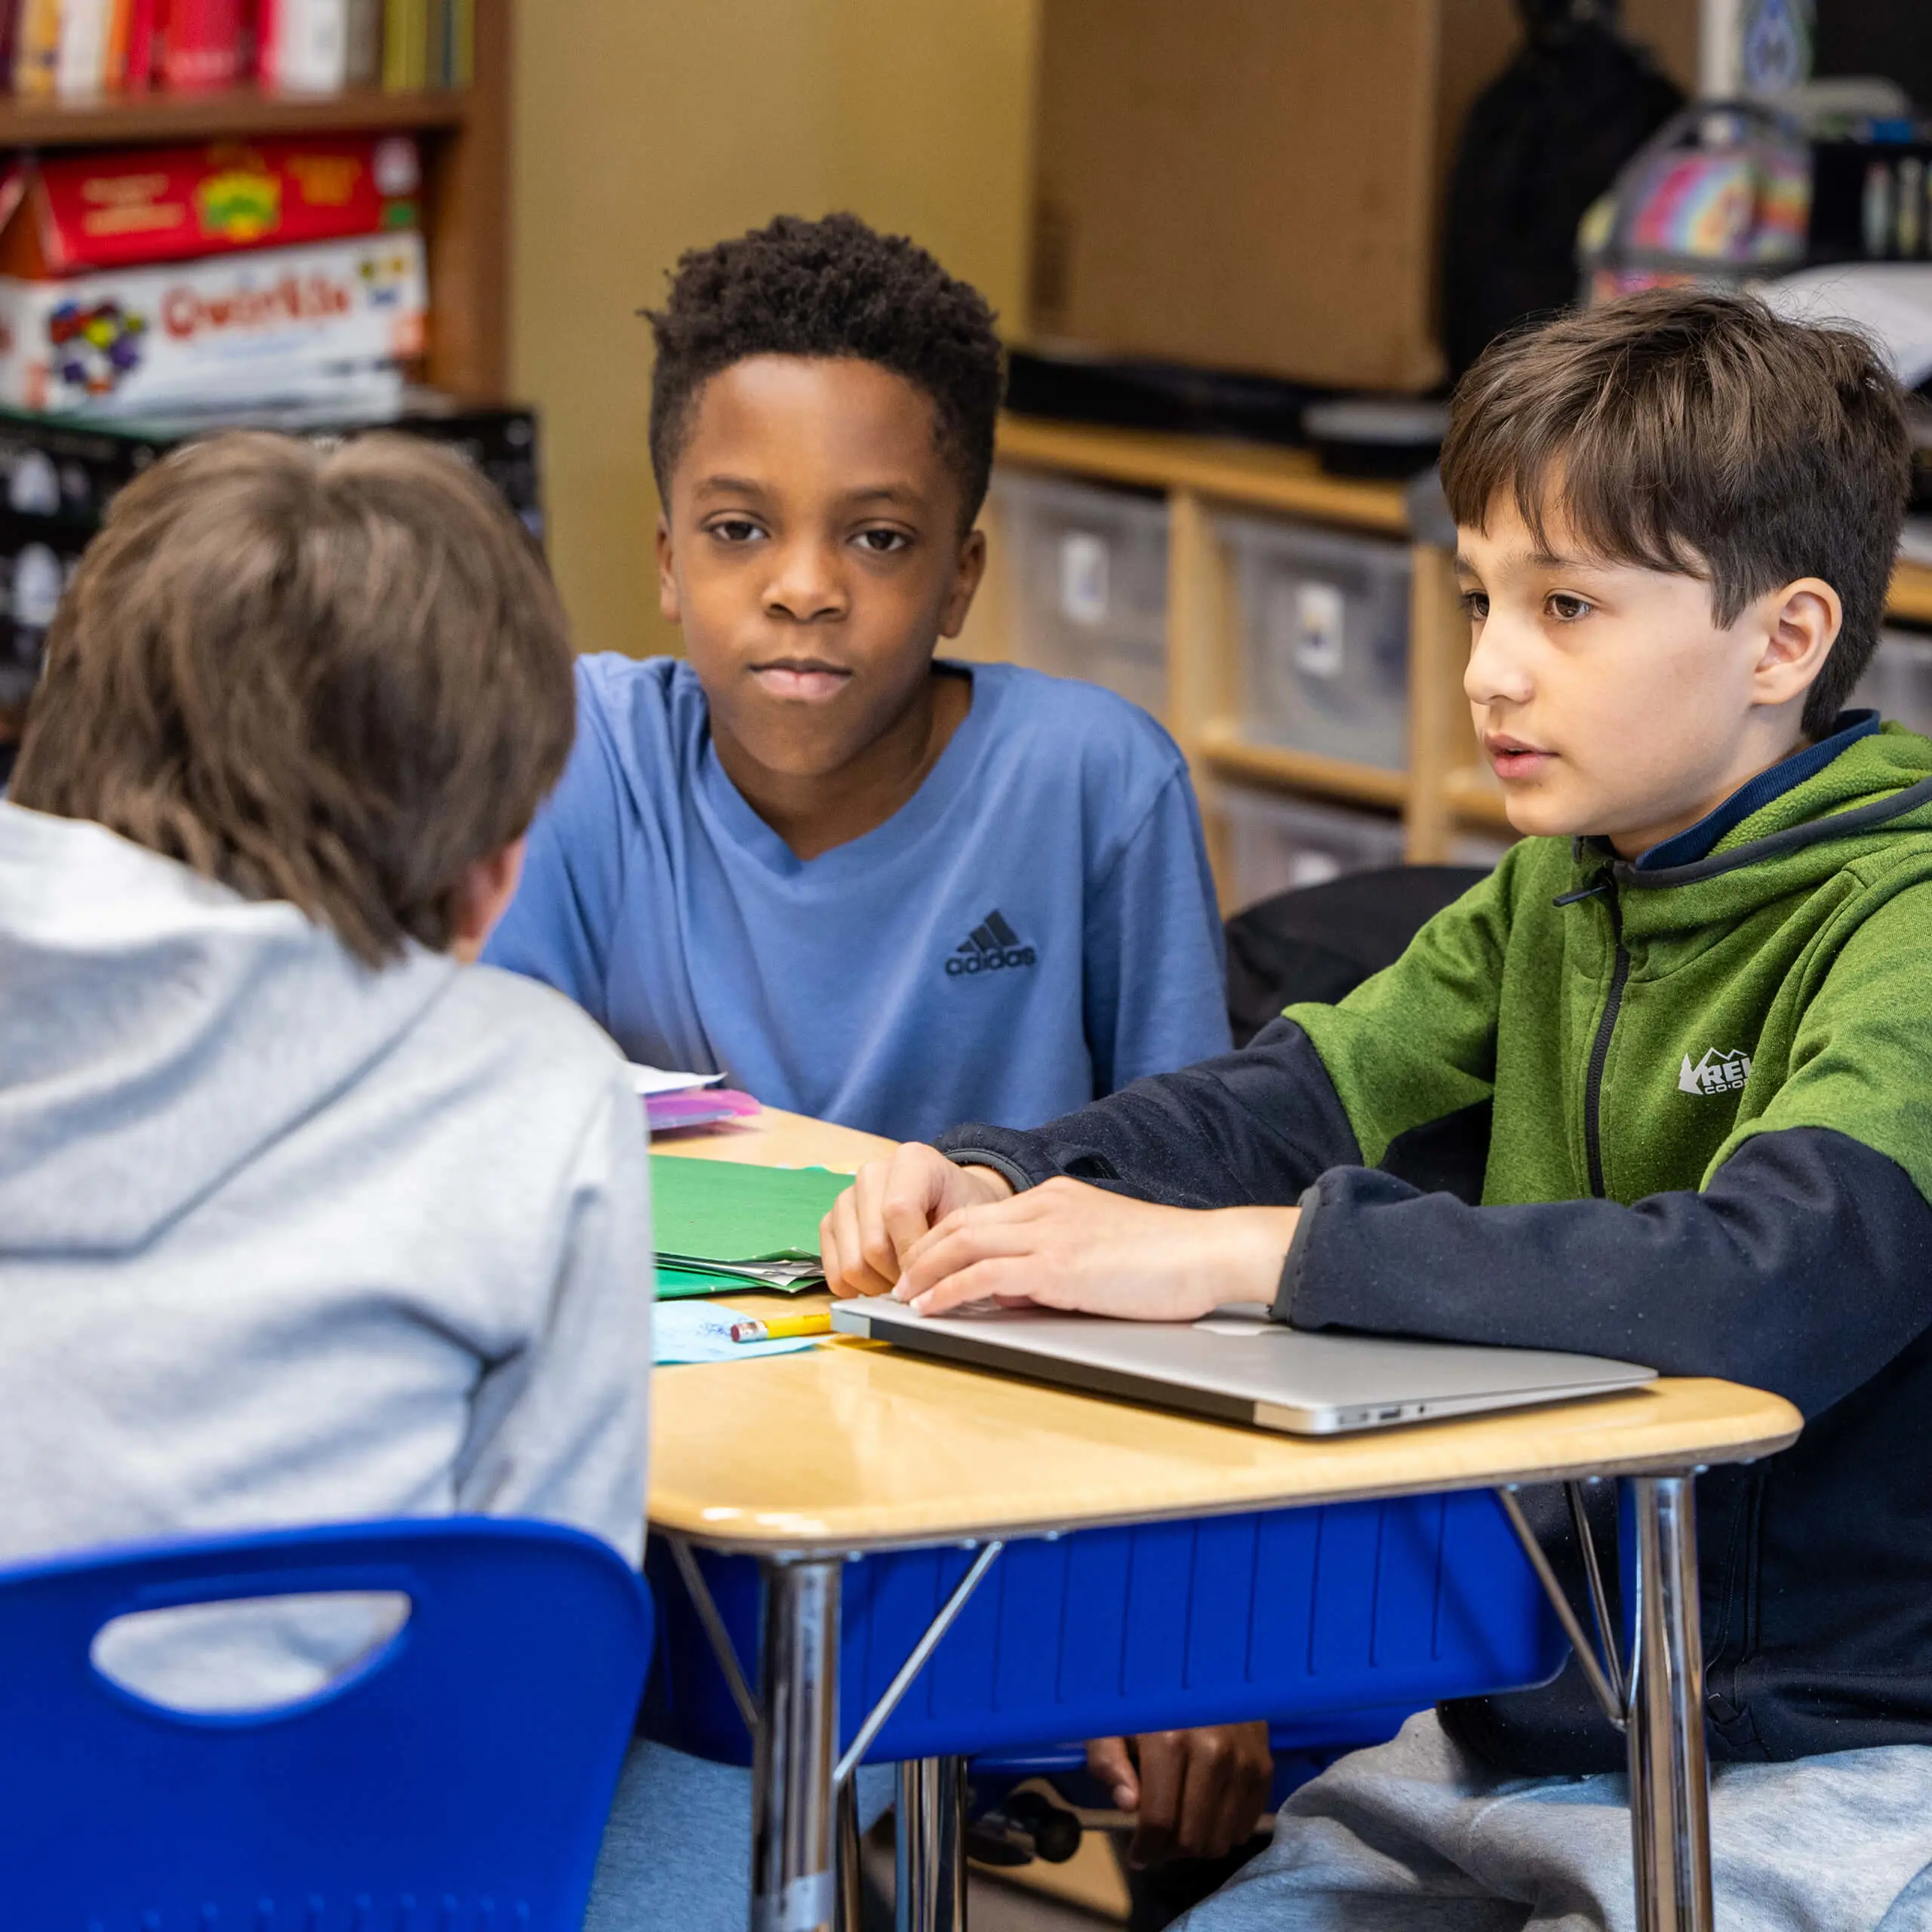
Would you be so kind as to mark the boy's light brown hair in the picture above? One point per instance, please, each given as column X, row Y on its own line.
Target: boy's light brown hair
column 338, row 677
column 1690, row 431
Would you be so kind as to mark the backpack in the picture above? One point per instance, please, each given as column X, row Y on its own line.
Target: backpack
column 1542, row 141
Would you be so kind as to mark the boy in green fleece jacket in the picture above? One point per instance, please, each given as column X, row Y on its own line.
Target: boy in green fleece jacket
column 1660, row 1088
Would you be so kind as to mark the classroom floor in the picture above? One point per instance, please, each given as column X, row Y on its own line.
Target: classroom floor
column 1083, row 1895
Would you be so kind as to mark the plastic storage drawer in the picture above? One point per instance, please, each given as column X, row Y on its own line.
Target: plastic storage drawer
column 1088, row 578
column 1279, row 845
column 1899, row 680
column 1286, row 1615
column 1324, row 645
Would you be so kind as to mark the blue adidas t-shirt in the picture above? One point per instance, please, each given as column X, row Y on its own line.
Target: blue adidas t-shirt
column 1034, row 927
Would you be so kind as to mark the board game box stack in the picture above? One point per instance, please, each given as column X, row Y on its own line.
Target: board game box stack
column 171, row 290
column 282, row 270
column 82, row 50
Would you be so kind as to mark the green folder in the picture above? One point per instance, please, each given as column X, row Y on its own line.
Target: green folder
column 722, row 1225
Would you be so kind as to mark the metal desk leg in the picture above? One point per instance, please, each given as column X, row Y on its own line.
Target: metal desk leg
column 794, row 1886
column 932, row 1846
column 851, row 1878
column 1670, row 1819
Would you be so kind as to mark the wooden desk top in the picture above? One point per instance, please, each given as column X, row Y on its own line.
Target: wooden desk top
column 776, row 1139
column 855, row 1445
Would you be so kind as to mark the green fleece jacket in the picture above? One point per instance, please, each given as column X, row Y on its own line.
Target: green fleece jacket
column 1630, row 1041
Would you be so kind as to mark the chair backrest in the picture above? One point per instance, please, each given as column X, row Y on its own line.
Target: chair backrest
column 1320, row 942
column 457, row 1780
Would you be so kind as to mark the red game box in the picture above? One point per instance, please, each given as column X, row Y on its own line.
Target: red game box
column 68, row 214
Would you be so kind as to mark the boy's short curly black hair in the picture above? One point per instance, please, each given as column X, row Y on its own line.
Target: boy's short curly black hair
column 832, row 287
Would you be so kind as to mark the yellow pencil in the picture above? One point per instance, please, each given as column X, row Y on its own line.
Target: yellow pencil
column 781, row 1328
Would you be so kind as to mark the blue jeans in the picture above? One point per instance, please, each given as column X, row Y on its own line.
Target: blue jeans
column 678, row 1848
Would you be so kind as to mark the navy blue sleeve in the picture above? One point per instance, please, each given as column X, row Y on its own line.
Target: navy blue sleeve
column 1156, row 982
column 1253, row 1127
column 558, row 927
column 1803, row 1268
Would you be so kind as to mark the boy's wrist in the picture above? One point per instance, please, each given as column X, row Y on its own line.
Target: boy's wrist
column 988, row 1183
column 1242, row 1259
column 1003, row 1178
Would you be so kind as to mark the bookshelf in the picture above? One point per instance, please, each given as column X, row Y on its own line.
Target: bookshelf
column 466, row 153
column 1442, row 792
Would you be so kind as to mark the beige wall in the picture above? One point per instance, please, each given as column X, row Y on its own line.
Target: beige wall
column 646, row 126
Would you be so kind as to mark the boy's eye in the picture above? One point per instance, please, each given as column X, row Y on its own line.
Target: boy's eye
column 883, row 542
column 1567, row 609
column 1475, row 605
column 735, row 530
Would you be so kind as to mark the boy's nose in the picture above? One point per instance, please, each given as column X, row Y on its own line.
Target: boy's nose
column 805, row 584
column 1498, row 671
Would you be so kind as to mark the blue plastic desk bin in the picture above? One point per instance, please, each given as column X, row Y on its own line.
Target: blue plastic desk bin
column 1292, row 1614
column 455, row 1780
column 1303, row 1749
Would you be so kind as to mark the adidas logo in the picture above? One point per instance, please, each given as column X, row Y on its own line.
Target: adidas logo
column 1715, row 1073
column 992, row 947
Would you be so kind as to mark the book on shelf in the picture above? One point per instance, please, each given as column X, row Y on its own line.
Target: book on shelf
column 201, row 45
column 302, row 46
column 405, row 45
column 37, row 49
column 76, row 50
column 363, row 43
column 80, row 62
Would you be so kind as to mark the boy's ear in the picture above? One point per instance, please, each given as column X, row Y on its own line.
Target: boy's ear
column 667, row 582
column 1801, row 624
column 966, row 576
column 483, row 896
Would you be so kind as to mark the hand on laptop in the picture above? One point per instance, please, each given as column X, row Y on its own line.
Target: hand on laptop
column 1195, row 1794
column 938, row 1236
column 891, row 1204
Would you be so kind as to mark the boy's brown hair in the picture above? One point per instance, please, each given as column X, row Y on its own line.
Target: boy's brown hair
column 338, row 677
column 1685, row 430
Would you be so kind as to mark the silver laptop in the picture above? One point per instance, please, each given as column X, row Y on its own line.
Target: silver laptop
column 1236, row 1365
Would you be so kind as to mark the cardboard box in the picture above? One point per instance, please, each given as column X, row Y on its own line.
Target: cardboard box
column 127, row 207
column 271, row 324
column 1253, row 185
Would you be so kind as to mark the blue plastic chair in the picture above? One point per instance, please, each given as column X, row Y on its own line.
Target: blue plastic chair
column 456, row 1780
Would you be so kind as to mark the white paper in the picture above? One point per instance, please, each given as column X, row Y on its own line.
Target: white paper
column 646, row 1081
column 1889, row 300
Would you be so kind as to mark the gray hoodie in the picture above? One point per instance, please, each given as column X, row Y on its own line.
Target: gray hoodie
column 285, row 1240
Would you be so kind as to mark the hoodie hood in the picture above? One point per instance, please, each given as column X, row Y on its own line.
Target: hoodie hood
column 131, row 990
column 1852, row 813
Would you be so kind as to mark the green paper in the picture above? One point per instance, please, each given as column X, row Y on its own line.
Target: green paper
column 727, row 1212
column 673, row 1283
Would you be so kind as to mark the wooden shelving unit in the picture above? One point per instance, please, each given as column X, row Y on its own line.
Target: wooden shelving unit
column 1911, row 594
column 1444, row 792
column 121, row 118
column 466, row 147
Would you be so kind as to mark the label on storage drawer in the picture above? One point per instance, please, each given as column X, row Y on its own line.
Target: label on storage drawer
column 1309, row 867
column 1083, row 578
column 1317, row 629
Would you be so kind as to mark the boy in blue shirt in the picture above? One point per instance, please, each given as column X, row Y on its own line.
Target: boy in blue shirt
column 870, row 887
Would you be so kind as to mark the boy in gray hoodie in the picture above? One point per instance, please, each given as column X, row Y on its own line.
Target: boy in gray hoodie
column 302, row 1218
